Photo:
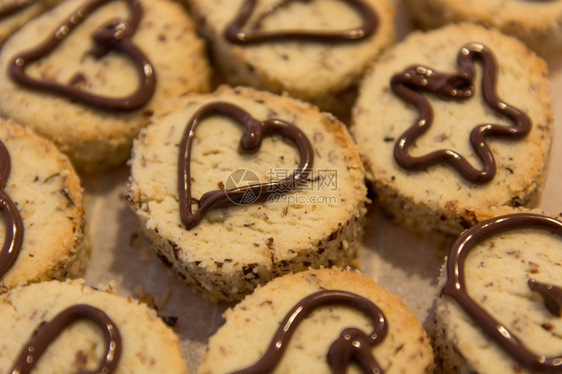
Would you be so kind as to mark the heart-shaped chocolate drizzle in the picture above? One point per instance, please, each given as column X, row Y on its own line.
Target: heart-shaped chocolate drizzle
column 352, row 344
column 455, row 286
column 407, row 85
column 114, row 36
column 14, row 224
column 46, row 333
column 234, row 34
column 250, row 142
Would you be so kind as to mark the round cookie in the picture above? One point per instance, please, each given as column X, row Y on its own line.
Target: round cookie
column 15, row 13
column 322, row 72
column 446, row 142
column 535, row 22
column 47, row 196
column 161, row 52
column 252, row 236
column 135, row 339
column 501, row 300
column 316, row 308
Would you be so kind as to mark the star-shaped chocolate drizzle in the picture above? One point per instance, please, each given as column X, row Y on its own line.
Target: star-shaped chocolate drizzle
column 408, row 84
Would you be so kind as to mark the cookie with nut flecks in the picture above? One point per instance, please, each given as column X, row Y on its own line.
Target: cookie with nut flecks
column 319, row 321
column 240, row 186
column 535, row 22
column 68, row 327
column 44, row 234
column 314, row 50
column 88, row 74
column 455, row 126
column 15, row 13
column 501, row 298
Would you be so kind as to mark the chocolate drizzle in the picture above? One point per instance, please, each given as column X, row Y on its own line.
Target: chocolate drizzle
column 455, row 286
column 14, row 7
column 352, row 344
column 408, row 84
column 47, row 332
column 113, row 36
column 250, row 142
column 551, row 294
column 234, row 34
column 14, row 224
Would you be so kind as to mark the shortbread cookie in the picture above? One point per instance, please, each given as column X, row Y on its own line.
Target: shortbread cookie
column 439, row 154
column 43, row 231
column 319, row 321
column 308, row 49
column 536, row 22
column 15, row 13
column 501, row 300
column 105, row 90
column 99, row 332
column 305, row 208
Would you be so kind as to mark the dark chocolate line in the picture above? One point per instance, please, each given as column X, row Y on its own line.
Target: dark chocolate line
column 14, row 7
column 352, row 344
column 234, row 34
column 408, row 84
column 47, row 332
column 249, row 143
column 551, row 294
column 13, row 239
column 455, row 286
column 114, row 36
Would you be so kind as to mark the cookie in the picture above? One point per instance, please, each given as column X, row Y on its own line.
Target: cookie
column 454, row 124
column 80, row 328
column 535, row 22
column 264, row 185
column 319, row 321
column 501, row 299
column 110, row 64
column 44, row 232
column 15, row 13
column 316, row 51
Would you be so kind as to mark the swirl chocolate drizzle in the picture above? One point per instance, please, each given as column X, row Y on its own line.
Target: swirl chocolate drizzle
column 47, row 332
column 14, row 7
column 408, row 84
column 455, row 287
column 352, row 344
column 234, row 34
column 14, row 224
column 250, row 142
column 117, row 36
